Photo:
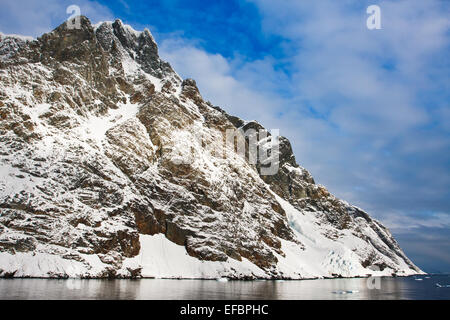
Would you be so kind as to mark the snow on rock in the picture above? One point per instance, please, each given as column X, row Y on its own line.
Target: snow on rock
column 161, row 258
column 112, row 166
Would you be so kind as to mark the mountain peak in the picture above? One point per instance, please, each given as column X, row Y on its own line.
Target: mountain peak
column 107, row 157
column 78, row 23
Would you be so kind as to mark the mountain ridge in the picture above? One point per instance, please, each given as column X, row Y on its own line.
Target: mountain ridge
column 112, row 166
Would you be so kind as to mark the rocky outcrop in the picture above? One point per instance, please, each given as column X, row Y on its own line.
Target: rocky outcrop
column 103, row 146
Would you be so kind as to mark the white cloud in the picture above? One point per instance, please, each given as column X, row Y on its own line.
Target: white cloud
column 402, row 223
column 363, row 86
column 216, row 78
column 34, row 17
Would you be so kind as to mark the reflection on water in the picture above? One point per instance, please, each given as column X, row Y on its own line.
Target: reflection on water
column 390, row 288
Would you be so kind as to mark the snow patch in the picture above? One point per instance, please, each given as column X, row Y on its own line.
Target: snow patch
column 17, row 36
column 161, row 258
column 44, row 265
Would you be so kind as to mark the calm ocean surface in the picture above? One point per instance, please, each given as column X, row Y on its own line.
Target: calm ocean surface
column 336, row 289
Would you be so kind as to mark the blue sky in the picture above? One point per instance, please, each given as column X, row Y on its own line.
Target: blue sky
column 368, row 112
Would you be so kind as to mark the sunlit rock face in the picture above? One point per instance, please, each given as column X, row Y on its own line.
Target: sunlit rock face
column 112, row 166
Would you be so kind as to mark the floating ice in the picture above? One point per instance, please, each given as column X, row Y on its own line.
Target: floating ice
column 346, row 292
column 443, row 286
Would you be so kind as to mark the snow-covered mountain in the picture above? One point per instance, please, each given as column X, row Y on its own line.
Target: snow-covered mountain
column 113, row 166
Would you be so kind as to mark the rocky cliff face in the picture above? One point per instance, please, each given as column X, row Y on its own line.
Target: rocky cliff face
column 112, row 166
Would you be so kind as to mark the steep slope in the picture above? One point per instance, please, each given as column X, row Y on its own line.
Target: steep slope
column 113, row 166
